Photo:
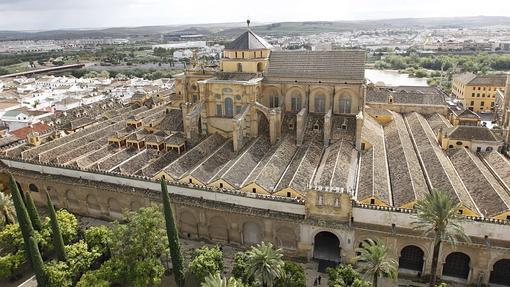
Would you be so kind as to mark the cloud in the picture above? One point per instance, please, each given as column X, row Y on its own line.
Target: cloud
column 57, row 14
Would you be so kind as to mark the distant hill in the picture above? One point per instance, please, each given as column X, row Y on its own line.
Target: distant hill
column 342, row 26
column 280, row 28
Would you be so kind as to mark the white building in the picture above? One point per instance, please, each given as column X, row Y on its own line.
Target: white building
column 20, row 118
column 67, row 104
column 182, row 45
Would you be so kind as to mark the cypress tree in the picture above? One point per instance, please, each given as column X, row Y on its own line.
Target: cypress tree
column 37, row 262
column 24, row 222
column 32, row 212
column 173, row 237
column 58, row 242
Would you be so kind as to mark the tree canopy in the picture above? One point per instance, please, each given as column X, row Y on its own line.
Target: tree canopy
column 206, row 261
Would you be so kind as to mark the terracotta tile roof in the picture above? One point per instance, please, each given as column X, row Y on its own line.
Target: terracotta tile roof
column 471, row 133
column 335, row 65
column 273, row 170
column 498, row 80
column 4, row 141
column 406, row 95
column 437, row 122
column 23, row 132
column 374, row 180
column 194, row 156
column 489, row 196
column 489, row 80
column 466, row 113
column 247, row 161
column 439, row 171
column 407, row 180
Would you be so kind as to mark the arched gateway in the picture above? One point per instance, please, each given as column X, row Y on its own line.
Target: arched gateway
column 411, row 259
column 326, row 249
column 326, row 246
column 457, row 265
column 500, row 274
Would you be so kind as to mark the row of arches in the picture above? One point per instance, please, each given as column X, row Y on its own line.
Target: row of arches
column 456, row 265
column 72, row 201
column 319, row 100
column 326, row 245
column 113, row 206
column 251, row 232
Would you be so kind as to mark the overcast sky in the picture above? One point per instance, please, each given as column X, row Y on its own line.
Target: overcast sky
column 57, row 14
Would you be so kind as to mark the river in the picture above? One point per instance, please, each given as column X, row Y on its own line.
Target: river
column 393, row 78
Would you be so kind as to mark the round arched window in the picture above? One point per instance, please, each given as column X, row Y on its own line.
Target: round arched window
column 33, row 188
column 459, row 143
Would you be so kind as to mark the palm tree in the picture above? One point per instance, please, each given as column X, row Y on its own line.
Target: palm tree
column 265, row 263
column 6, row 208
column 215, row 280
column 374, row 261
column 437, row 216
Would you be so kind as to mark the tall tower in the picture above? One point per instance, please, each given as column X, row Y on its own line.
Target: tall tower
column 248, row 53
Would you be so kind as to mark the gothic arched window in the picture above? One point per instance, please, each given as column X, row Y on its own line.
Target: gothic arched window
column 229, row 107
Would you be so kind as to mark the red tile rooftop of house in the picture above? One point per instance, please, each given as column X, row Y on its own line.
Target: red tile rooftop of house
column 23, row 132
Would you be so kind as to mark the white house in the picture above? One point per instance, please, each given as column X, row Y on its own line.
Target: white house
column 67, row 104
column 20, row 118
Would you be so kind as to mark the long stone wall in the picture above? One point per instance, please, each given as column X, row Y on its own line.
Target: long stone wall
column 479, row 229
column 241, row 220
column 489, row 242
column 196, row 217
column 239, row 198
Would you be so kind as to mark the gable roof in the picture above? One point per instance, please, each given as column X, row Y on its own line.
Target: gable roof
column 471, row 79
column 23, row 132
column 489, row 80
column 471, row 133
column 13, row 113
column 336, row 64
column 248, row 41
column 467, row 113
column 406, row 95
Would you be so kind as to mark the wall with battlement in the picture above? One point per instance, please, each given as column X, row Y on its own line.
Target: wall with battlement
column 243, row 199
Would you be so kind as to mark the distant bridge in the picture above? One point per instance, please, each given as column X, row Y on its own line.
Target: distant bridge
column 45, row 70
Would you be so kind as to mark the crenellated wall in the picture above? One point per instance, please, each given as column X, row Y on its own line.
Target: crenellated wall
column 243, row 219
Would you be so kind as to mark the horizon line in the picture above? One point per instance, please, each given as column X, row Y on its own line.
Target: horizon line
column 254, row 23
